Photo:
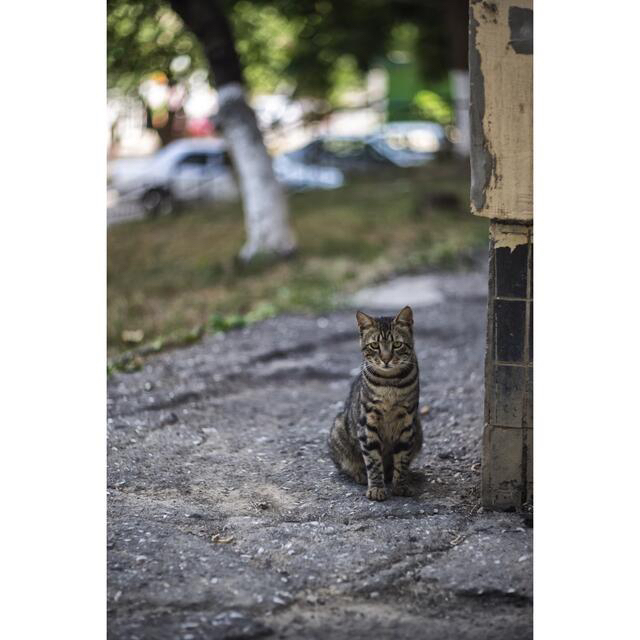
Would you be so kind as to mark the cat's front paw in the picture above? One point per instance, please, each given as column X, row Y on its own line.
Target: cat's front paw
column 401, row 490
column 377, row 493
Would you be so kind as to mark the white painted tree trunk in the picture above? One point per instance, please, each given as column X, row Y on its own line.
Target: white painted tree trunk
column 460, row 90
column 265, row 206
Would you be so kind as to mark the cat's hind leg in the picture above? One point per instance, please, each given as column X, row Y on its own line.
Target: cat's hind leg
column 345, row 453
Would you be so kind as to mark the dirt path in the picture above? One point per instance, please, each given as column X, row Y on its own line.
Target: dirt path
column 228, row 520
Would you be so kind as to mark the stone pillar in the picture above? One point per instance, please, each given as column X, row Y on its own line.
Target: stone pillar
column 501, row 111
column 507, row 465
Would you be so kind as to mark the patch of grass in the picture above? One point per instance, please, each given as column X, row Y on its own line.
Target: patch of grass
column 169, row 275
column 133, row 359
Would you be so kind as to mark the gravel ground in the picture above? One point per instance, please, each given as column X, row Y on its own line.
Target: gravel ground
column 228, row 520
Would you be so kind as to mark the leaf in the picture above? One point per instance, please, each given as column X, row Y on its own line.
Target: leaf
column 218, row 539
column 133, row 335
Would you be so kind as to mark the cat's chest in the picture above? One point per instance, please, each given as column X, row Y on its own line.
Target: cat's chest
column 393, row 417
column 392, row 402
column 389, row 399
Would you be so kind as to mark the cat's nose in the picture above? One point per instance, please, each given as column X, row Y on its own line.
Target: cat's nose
column 386, row 356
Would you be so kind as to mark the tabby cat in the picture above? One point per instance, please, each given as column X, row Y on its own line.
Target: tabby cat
column 378, row 433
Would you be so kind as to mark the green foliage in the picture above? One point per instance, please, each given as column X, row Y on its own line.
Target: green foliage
column 432, row 106
column 265, row 41
column 364, row 30
column 344, row 76
column 228, row 321
column 316, row 47
column 144, row 36
column 133, row 360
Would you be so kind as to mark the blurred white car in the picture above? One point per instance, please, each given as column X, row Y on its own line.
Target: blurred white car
column 184, row 170
column 299, row 177
column 411, row 143
column 195, row 169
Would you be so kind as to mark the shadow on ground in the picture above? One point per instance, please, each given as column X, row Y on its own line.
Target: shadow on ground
column 228, row 520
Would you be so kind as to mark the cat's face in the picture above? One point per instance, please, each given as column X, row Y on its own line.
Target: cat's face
column 387, row 343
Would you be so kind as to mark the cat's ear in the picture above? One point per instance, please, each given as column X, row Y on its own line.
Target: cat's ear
column 364, row 320
column 405, row 317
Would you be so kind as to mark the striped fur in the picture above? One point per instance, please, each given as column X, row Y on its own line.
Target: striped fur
column 378, row 433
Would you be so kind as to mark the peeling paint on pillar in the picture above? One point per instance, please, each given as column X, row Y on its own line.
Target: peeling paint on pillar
column 501, row 104
column 509, row 235
column 483, row 162
column 521, row 28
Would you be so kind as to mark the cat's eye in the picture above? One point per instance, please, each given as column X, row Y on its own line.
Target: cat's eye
column 398, row 345
column 375, row 346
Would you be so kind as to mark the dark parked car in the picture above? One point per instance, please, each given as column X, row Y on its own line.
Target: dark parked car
column 346, row 153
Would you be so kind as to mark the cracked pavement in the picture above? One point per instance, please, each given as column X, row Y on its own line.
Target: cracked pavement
column 226, row 518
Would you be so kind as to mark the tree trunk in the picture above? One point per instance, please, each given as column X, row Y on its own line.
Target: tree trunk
column 265, row 206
